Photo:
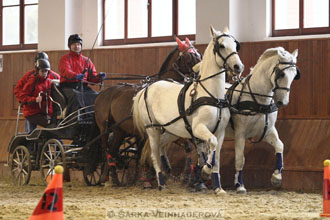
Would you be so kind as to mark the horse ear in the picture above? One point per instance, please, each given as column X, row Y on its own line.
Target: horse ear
column 226, row 30
column 182, row 47
column 295, row 53
column 213, row 32
column 188, row 41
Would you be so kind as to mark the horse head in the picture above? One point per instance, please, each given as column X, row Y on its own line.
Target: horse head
column 188, row 57
column 225, row 49
column 180, row 61
column 283, row 74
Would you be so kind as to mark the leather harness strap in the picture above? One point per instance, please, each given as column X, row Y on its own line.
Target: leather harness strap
column 249, row 108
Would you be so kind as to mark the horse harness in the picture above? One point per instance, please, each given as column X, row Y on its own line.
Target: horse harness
column 251, row 108
column 205, row 100
column 194, row 105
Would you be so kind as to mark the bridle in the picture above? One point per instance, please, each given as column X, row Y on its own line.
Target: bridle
column 217, row 47
column 279, row 73
column 182, row 60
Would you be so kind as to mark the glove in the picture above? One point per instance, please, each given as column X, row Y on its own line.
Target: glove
column 102, row 75
column 80, row 76
column 55, row 82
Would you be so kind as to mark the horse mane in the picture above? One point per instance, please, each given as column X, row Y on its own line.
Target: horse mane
column 270, row 53
column 167, row 60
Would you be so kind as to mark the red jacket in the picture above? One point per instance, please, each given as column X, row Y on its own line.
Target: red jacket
column 34, row 85
column 20, row 83
column 72, row 64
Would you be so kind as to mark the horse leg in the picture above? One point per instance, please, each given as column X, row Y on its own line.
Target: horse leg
column 104, row 150
column 113, row 155
column 147, row 174
column 203, row 133
column 216, row 168
column 154, row 138
column 239, row 163
column 164, row 140
column 273, row 139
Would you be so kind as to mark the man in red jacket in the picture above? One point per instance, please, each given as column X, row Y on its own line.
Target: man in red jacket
column 76, row 72
column 35, row 94
column 28, row 127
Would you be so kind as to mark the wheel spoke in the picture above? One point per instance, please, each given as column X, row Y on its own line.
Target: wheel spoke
column 23, row 178
column 45, row 166
column 16, row 162
column 50, row 151
column 24, row 158
column 24, row 171
column 17, row 156
column 46, row 155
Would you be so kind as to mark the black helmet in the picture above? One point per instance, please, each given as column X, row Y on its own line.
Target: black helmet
column 74, row 38
column 41, row 55
column 43, row 64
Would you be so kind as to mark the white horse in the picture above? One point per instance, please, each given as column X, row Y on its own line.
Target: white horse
column 161, row 110
column 253, row 107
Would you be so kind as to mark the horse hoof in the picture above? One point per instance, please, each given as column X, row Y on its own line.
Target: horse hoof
column 276, row 180
column 161, row 187
column 219, row 192
column 206, row 170
column 241, row 190
column 147, row 185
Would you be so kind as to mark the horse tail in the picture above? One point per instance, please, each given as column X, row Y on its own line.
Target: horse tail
column 145, row 155
column 137, row 117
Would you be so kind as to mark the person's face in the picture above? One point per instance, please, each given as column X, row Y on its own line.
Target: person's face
column 43, row 73
column 75, row 47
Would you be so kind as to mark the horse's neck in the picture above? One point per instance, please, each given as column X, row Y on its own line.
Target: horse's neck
column 209, row 67
column 260, row 82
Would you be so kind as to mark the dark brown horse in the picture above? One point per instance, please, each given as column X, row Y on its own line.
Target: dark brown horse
column 113, row 105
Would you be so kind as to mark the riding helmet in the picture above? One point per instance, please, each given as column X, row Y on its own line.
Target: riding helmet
column 41, row 55
column 43, row 64
column 74, row 38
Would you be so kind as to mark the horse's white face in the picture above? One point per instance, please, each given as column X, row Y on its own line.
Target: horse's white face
column 284, row 74
column 226, row 51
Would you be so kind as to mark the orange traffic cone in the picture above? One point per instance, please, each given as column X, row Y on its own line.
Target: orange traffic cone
column 51, row 204
column 326, row 189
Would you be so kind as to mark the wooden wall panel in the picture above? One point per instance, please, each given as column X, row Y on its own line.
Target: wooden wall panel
column 309, row 98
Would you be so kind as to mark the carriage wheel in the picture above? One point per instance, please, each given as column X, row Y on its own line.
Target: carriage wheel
column 92, row 175
column 52, row 154
column 20, row 166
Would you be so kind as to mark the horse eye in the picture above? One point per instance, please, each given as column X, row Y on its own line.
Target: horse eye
column 282, row 75
column 222, row 46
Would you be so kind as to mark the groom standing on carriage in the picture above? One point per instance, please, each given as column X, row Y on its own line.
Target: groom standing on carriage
column 76, row 72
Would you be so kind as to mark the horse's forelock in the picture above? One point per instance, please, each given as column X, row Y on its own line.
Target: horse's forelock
column 283, row 55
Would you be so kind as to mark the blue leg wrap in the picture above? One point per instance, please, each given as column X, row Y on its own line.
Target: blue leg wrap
column 161, row 179
column 213, row 159
column 239, row 179
column 279, row 162
column 165, row 164
column 216, row 180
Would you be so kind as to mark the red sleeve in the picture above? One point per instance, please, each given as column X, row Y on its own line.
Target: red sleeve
column 65, row 69
column 53, row 75
column 26, row 95
column 20, row 84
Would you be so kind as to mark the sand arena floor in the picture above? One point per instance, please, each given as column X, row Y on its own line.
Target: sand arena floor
column 176, row 202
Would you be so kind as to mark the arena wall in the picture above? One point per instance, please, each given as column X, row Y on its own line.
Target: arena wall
column 303, row 125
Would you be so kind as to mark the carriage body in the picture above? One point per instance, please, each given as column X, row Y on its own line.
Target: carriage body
column 68, row 144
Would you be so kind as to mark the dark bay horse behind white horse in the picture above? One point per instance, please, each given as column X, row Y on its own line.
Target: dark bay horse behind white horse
column 166, row 111
column 254, row 102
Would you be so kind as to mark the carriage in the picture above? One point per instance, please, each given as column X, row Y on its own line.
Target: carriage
column 74, row 143
column 81, row 139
